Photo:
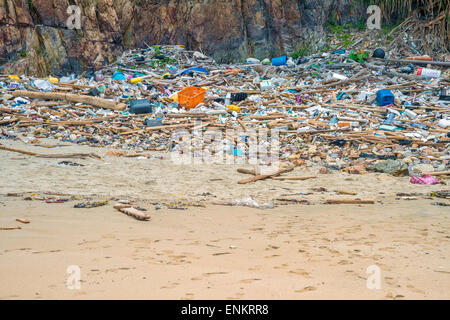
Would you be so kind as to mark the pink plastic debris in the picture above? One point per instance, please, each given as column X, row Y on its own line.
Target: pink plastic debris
column 426, row 179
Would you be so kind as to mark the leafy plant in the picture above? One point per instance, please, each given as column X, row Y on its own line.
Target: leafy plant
column 346, row 40
column 157, row 50
column 359, row 57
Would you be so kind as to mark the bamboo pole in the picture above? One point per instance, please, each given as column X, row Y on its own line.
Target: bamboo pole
column 94, row 101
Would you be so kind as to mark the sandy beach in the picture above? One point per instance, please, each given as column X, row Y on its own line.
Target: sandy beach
column 307, row 250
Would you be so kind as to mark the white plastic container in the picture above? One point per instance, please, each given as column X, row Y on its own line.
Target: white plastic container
column 410, row 114
column 253, row 60
column 444, row 123
column 338, row 76
column 266, row 85
column 428, row 73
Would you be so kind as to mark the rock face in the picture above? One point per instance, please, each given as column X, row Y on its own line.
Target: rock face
column 34, row 33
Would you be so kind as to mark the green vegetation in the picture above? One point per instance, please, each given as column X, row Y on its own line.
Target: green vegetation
column 301, row 51
column 346, row 39
column 23, row 53
column 327, row 48
column 359, row 57
column 157, row 50
column 162, row 63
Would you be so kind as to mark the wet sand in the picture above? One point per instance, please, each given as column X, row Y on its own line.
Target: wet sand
column 298, row 251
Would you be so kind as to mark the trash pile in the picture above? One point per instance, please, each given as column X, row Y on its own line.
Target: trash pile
column 355, row 111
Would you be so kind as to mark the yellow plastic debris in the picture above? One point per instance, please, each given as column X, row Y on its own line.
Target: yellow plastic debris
column 233, row 107
column 135, row 80
column 174, row 97
column 53, row 80
column 14, row 77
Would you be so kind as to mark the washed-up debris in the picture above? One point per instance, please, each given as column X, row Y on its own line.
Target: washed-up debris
column 41, row 155
column 441, row 204
column 133, row 212
column 57, row 201
column 88, row 205
column 426, row 179
column 350, row 202
column 282, row 201
column 24, row 221
column 249, row 202
column 10, row 228
column 441, row 194
column 352, row 193
column 69, row 164
column 294, row 178
column 343, row 110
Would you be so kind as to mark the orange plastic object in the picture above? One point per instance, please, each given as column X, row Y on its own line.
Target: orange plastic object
column 190, row 97
column 344, row 124
column 233, row 70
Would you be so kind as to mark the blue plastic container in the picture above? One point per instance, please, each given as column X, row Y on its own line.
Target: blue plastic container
column 279, row 61
column 385, row 97
column 390, row 118
column 119, row 76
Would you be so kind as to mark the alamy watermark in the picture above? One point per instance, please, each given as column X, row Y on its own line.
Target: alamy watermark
column 74, row 279
column 74, row 20
column 374, row 280
column 374, row 21
column 213, row 146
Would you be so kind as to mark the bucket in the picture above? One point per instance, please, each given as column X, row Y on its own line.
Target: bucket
column 279, row 61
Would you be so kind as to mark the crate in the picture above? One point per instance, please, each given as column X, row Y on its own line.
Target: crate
column 385, row 97
column 190, row 97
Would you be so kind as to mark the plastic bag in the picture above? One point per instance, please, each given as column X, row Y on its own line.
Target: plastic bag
column 426, row 179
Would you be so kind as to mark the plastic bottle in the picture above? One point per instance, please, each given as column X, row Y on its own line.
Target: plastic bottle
column 233, row 107
column 53, row 80
column 218, row 105
column 136, row 80
column 253, row 60
column 410, row 114
column 390, row 118
column 43, row 85
column 14, row 77
column 228, row 99
column 338, row 76
column 428, row 73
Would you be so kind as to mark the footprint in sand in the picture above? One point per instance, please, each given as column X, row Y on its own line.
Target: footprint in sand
column 108, row 236
column 255, row 268
column 300, row 272
column 306, row 289
column 213, row 273
column 171, row 286
column 249, row 280
column 188, row 296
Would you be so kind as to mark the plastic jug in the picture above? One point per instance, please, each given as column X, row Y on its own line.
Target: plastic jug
column 385, row 97
column 233, row 107
column 136, row 80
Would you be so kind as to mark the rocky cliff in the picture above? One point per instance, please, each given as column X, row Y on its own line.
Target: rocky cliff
column 34, row 33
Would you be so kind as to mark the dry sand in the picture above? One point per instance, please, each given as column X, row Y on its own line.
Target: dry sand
column 299, row 251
